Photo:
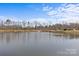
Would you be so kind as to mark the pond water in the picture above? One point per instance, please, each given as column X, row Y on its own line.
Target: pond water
column 38, row 44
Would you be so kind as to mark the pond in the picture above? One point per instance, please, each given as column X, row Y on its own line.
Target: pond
column 38, row 44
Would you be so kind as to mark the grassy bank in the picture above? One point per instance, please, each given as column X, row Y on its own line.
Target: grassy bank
column 76, row 32
column 70, row 32
column 16, row 30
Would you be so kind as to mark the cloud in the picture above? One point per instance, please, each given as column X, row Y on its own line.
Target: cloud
column 65, row 12
column 47, row 8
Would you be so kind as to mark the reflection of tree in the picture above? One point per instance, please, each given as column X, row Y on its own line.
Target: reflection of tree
column 1, row 36
column 35, row 35
column 49, row 36
column 66, row 36
column 24, row 36
column 28, row 34
column 8, row 37
column 18, row 35
column 73, row 36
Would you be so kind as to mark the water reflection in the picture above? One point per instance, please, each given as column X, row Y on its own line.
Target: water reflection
column 33, row 35
column 28, row 34
column 8, row 37
column 36, row 43
column 20, row 36
column 66, row 36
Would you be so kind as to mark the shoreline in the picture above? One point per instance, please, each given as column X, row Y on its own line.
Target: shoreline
column 40, row 30
column 76, row 32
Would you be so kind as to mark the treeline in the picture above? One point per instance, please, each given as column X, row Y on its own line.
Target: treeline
column 58, row 26
column 8, row 24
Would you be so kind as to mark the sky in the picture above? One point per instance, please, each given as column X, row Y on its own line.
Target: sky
column 41, row 12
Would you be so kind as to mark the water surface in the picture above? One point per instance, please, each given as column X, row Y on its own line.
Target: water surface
column 38, row 44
